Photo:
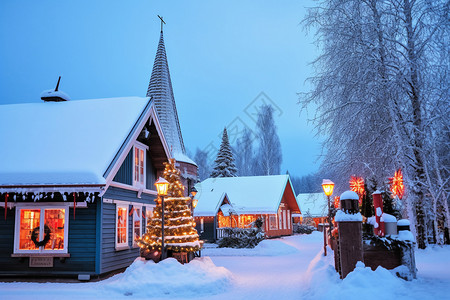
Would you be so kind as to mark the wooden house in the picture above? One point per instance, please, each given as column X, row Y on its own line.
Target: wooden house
column 239, row 201
column 77, row 178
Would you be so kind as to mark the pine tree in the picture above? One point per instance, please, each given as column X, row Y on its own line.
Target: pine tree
column 179, row 225
column 224, row 164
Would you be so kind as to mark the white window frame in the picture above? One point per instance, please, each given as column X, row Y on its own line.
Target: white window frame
column 284, row 220
column 141, row 147
column 148, row 208
column 280, row 222
column 124, row 245
column 137, row 206
column 42, row 208
column 289, row 219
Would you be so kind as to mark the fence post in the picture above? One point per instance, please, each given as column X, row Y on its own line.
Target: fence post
column 349, row 222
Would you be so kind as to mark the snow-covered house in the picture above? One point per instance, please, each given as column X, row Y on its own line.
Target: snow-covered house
column 77, row 178
column 239, row 201
column 314, row 206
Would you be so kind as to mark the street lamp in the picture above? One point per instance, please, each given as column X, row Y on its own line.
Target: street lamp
column 162, row 186
column 193, row 202
column 328, row 187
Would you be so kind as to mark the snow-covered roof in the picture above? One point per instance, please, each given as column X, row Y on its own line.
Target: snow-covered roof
column 55, row 94
column 314, row 204
column 227, row 209
column 179, row 156
column 71, row 142
column 248, row 195
column 349, row 195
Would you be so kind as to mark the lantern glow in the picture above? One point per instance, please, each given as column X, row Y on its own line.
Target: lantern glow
column 194, row 202
column 357, row 185
column 328, row 187
column 397, row 186
column 162, row 186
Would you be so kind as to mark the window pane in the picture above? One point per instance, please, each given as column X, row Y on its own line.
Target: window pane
column 142, row 157
column 136, row 164
column 137, row 223
column 54, row 219
column 29, row 220
column 121, row 225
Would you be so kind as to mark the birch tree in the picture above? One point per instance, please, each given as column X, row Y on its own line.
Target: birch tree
column 244, row 154
column 374, row 84
column 269, row 151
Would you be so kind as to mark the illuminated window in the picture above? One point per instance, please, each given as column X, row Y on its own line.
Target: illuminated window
column 121, row 227
column 137, row 225
column 139, row 165
column 272, row 222
column 41, row 229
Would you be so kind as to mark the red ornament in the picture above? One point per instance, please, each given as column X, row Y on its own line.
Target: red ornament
column 357, row 185
column 397, row 186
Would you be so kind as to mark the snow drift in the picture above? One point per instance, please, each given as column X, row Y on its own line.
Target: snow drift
column 169, row 278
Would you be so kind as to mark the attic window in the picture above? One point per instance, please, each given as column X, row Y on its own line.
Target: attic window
column 139, row 169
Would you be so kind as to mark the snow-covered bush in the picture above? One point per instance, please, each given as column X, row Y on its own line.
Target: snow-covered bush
column 303, row 228
column 241, row 238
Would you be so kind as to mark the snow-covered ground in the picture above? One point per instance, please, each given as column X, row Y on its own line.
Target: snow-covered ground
column 288, row 268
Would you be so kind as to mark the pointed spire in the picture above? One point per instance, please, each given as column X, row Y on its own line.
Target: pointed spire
column 160, row 89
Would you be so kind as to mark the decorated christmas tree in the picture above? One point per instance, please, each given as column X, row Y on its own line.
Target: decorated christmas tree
column 224, row 164
column 179, row 226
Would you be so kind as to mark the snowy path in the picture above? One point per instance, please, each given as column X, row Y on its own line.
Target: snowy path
column 269, row 277
column 288, row 268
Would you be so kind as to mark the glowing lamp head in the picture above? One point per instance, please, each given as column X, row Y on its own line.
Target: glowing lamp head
column 193, row 191
column 194, row 203
column 162, row 186
column 328, row 187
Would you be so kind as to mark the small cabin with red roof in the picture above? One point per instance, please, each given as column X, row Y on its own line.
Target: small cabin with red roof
column 239, row 201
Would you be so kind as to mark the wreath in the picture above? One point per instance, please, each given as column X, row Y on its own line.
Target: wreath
column 35, row 233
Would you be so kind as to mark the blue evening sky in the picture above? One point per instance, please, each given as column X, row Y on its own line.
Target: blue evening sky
column 222, row 55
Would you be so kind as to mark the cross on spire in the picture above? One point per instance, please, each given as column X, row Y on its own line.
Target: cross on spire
column 162, row 22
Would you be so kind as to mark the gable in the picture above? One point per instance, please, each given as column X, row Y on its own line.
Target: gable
column 289, row 198
column 147, row 132
column 155, row 157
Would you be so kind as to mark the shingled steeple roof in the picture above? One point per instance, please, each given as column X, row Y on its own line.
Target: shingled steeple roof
column 160, row 89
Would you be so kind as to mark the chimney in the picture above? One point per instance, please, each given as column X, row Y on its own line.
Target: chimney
column 54, row 95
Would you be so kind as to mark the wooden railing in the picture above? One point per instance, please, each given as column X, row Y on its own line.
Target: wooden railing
column 221, row 233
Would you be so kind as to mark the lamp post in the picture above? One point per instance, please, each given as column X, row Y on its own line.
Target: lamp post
column 162, row 186
column 328, row 187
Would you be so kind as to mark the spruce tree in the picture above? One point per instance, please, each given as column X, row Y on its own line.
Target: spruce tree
column 179, row 225
column 224, row 164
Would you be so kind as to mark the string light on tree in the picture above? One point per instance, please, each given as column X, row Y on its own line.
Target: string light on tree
column 396, row 183
column 179, row 232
